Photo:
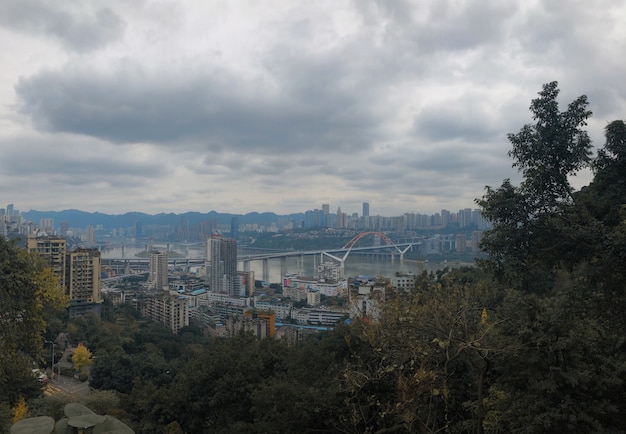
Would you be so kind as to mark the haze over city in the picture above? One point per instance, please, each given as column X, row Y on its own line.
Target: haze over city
column 283, row 106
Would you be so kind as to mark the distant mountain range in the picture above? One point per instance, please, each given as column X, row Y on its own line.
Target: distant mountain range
column 80, row 219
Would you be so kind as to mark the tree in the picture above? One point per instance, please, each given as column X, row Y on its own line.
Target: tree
column 564, row 249
column 552, row 149
column 20, row 411
column 532, row 223
column 424, row 367
column 28, row 292
column 81, row 357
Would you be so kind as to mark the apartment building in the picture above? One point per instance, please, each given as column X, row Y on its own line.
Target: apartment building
column 83, row 274
column 169, row 310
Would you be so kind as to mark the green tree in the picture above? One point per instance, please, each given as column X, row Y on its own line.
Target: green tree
column 552, row 149
column 532, row 223
column 28, row 292
column 565, row 250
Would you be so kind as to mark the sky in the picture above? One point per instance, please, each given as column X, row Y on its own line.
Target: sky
column 282, row 106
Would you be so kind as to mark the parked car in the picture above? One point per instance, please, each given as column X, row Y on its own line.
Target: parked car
column 40, row 376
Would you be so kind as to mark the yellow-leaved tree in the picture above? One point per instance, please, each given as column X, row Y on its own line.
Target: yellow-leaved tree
column 81, row 357
column 20, row 411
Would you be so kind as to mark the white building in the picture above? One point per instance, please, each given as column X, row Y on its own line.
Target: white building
column 403, row 280
column 282, row 310
column 313, row 297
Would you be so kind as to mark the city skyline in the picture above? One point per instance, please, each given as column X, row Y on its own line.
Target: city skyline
column 323, row 210
column 162, row 107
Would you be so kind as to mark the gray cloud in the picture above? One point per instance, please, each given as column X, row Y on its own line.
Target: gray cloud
column 76, row 29
column 405, row 104
column 221, row 112
column 72, row 160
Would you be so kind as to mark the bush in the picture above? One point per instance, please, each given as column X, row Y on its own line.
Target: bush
column 83, row 376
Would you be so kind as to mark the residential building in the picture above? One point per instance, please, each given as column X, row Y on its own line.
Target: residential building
column 313, row 298
column 83, row 273
column 158, row 272
column 246, row 283
column 167, row 309
column 222, row 265
column 281, row 309
column 52, row 249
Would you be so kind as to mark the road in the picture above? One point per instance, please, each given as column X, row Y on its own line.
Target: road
column 66, row 385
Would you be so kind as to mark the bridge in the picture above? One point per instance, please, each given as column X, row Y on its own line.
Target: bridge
column 338, row 255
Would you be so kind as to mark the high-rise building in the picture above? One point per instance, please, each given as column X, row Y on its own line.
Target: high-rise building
column 47, row 224
column 461, row 243
column 326, row 212
column 222, row 267
column 446, row 218
column 464, row 217
column 157, row 277
column 138, row 230
column 234, row 228
column 246, row 282
column 366, row 209
column 52, row 250
column 341, row 218
column 83, row 274
column 90, row 234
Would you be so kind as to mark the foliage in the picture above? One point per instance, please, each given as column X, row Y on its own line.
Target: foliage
column 552, row 149
column 27, row 295
column 20, row 411
column 565, row 250
column 81, row 357
column 424, row 367
column 527, row 219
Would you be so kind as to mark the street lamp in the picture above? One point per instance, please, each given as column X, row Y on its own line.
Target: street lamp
column 52, row 367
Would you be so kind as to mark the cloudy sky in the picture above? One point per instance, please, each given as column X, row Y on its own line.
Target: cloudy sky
column 239, row 106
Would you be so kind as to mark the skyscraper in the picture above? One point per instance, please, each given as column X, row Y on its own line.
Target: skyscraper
column 222, row 267
column 340, row 218
column 234, row 228
column 366, row 209
column 326, row 219
column 138, row 230
column 158, row 278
